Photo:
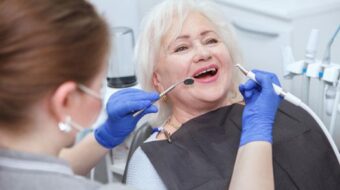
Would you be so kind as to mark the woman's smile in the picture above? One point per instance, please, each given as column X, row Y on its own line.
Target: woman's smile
column 207, row 74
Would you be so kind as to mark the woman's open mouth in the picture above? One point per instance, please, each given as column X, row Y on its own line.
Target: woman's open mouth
column 206, row 74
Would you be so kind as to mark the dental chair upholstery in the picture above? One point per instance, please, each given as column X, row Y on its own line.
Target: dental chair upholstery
column 141, row 134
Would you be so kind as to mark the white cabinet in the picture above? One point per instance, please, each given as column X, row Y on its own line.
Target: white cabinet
column 263, row 27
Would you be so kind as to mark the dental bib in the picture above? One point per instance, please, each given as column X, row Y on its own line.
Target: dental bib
column 203, row 152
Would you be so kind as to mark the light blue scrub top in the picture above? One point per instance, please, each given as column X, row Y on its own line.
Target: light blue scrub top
column 20, row 170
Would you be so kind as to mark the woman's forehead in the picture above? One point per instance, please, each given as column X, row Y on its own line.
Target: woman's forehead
column 194, row 24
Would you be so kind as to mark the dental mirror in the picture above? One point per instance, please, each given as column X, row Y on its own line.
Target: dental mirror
column 186, row 81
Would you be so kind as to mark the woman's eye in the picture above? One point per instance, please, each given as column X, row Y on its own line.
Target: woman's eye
column 182, row 48
column 212, row 41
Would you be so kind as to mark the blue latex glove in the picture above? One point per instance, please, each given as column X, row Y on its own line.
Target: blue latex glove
column 120, row 109
column 261, row 106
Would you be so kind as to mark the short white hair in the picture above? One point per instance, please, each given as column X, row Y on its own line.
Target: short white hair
column 158, row 23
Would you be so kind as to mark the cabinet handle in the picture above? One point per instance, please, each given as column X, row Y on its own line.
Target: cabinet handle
column 255, row 30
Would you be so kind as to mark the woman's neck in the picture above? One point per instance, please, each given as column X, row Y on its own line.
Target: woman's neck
column 183, row 113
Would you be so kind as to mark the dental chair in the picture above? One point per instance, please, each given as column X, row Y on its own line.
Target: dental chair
column 141, row 134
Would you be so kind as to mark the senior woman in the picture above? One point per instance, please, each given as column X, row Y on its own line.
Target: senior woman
column 217, row 143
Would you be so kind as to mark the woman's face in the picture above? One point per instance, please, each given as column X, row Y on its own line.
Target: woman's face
column 197, row 52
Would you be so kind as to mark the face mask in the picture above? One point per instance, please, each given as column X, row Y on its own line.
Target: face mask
column 67, row 125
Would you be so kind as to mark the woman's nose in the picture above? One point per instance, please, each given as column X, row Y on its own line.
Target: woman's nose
column 202, row 53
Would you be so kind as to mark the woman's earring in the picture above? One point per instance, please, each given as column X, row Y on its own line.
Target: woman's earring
column 164, row 98
column 65, row 126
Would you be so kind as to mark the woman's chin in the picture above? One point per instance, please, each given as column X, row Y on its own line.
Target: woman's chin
column 211, row 93
column 213, row 99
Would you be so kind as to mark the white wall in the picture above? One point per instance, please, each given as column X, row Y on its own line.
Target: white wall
column 118, row 13
column 124, row 13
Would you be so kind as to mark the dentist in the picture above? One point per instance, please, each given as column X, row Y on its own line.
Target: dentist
column 52, row 64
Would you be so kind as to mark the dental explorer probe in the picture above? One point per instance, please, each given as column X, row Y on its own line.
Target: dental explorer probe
column 186, row 81
column 296, row 101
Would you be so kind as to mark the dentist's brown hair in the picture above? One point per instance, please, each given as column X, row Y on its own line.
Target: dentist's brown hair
column 44, row 43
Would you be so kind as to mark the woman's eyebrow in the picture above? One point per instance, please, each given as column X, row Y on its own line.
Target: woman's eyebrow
column 207, row 32
column 201, row 34
column 178, row 38
column 182, row 37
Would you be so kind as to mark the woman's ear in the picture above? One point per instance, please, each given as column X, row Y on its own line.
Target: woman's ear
column 63, row 100
column 156, row 78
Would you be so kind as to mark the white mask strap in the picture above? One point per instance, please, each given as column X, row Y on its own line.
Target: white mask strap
column 67, row 125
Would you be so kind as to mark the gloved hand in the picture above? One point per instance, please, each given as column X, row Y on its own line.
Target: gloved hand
column 120, row 109
column 261, row 106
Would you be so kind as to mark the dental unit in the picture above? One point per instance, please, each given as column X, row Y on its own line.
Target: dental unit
column 331, row 77
column 324, row 70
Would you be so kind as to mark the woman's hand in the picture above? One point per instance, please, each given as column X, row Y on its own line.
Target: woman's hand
column 120, row 109
column 261, row 106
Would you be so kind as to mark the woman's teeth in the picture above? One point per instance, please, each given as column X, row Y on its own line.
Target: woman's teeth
column 208, row 72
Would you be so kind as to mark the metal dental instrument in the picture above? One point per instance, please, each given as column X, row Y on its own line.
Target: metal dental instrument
column 296, row 101
column 186, row 81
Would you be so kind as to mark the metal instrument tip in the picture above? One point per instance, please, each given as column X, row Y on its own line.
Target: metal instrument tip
column 242, row 69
